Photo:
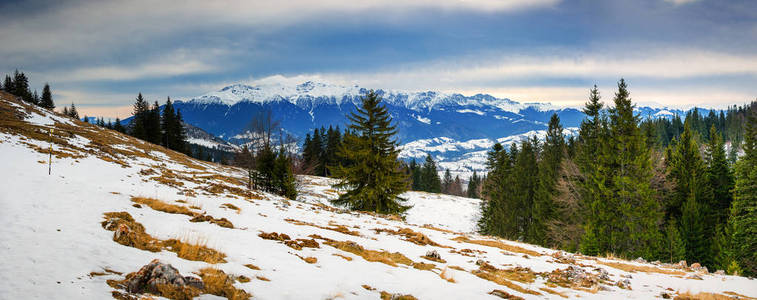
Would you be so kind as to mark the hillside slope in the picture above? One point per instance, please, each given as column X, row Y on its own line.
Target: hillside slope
column 67, row 235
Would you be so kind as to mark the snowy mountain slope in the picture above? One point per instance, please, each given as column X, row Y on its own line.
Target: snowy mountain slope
column 197, row 136
column 55, row 246
column 462, row 158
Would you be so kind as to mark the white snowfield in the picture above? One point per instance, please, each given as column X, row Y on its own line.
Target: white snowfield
column 51, row 239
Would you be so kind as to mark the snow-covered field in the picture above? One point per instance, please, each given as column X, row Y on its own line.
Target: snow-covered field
column 54, row 246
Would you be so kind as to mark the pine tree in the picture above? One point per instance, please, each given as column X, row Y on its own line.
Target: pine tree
column 283, row 178
column 86, row 119
column 631, row 214
column 430, row 180
column 415, row 175
column 265, row 167
column 674, row 249
column 447, row 182
column 118, row 127
column 179, row 133
column 743, row 217
column 141, row 109
column 473, row 184
column 21, row 87
column 152, row 125
column 35, row 98
column 373, row 180
column 72, row 112
column 693, row 231
column 47, row 98
column 167, row 125
column 8, row 85
column 333, row 140
column 65, row 111
column 549, row 168
column 719, row 176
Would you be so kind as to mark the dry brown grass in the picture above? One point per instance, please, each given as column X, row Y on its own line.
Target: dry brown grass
column 163, row 206
column 262, row 278
column 243, row 279
column 347, row 258
column 388, row 296
column 231, row 206
column 504, row 295
column 504, row 277
column 497, row 244
column 253, row 267
column 334, row 227
column 740, row 296
column 423, row 266
column 551, row 291
column 195, row 250
column 385, row 257
column 223, row 222
column 130, row 233
column 218, row 283
column 447, row 276
column 635, row 268
column 410, row 236
column 703, row 296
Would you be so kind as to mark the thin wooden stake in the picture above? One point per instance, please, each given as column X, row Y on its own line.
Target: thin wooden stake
column 50, row 160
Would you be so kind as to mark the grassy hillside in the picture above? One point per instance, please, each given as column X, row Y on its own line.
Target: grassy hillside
column 113, row 204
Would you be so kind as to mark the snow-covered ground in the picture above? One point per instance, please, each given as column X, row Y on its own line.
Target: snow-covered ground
column 52, row 241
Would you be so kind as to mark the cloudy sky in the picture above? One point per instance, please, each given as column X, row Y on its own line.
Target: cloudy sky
column 100, row 54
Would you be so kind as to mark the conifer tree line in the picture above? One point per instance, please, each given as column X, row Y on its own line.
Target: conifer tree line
column 269, row 167
column 161, row 127
column 18, row 85
column 633, row 188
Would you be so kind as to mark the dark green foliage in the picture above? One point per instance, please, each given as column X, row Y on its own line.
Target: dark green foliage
column 474, row 183
column 693, row 231
column 372, row 179
column 118, row 127
column 172, row 128
column 138, row 125
column 719, row 177
column 674, row 249
column 429, row 177
column 544, row 208
column 47, row 98
column 743, row 219
column 283, row 176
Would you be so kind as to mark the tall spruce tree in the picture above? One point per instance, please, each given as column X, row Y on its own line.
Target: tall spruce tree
column 430, row 181
column 719, row 176
column 167, row 125
column 47, row 98
column 635, row 215
column 743, row 219
column 552, row 154
column 473, row 185
column 8, row 85
column 372, row 181
column 139, row 113
column 447, row 182
column 152, row 125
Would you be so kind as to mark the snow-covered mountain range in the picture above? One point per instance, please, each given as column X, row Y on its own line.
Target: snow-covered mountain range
column 454, row 128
